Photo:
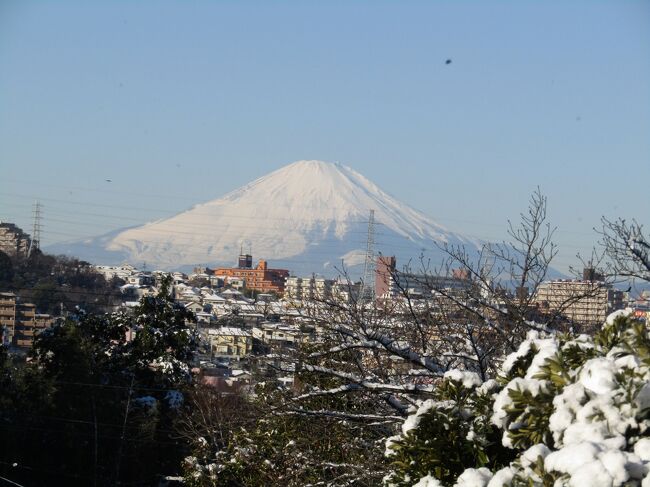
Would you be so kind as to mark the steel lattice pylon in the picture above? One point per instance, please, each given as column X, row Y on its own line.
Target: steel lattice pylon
column 367, row 293
column 35, row 242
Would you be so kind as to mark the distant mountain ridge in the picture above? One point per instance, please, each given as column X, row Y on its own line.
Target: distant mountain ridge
column 309, row 216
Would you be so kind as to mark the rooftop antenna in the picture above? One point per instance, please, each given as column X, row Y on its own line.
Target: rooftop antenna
column 367, row 293
column 35, row 243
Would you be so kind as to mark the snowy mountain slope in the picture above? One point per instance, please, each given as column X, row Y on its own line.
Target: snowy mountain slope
column 306, row 216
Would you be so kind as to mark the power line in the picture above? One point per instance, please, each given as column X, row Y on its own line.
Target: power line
column 215, row 233
column 241, row 226
column 112, row 386
column 98, row 190
column 43, row 470
column 11, row 482
column 189, row 237
column 158, row 210
column 80, row 421
column 254, row 206
column 25, row 426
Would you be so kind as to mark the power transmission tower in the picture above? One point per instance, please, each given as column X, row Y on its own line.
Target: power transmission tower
column 367, row 293
column 35, row 243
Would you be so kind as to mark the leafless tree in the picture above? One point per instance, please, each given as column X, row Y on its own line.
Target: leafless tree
column 214, row 415
column 396, row 350
column 627, row 248
column 499, row 304
column 372, row 361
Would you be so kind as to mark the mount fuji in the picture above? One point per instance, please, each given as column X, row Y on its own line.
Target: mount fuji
column 309, row 216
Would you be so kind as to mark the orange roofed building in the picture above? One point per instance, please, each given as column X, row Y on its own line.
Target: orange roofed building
column 260, row 278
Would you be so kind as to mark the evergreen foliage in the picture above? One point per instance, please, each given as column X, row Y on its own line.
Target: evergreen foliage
column 447, row 434
column 566, row 410
column 92, row 407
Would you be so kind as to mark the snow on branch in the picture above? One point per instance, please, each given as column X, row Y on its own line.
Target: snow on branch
column 358, row 383
column 372, row 339
column 341, row 415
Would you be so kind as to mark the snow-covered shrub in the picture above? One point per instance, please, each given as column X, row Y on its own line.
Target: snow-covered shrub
column 243, row 442
column 446, row 434
column 565, row 411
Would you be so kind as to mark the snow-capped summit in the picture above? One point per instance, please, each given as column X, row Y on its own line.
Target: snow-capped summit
column 307, row 216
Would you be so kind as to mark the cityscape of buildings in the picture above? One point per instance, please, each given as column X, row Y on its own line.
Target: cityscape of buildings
column 246, row 311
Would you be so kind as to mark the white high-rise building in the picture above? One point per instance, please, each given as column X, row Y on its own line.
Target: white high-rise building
column 308, row 288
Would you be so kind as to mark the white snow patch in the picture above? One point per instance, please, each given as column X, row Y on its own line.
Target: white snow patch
column 467, row 379
column 599, row 375
column 414, row 419
column 618, row 314
column 503, row 401
column 474, row 477
column 642, row 449
column 502, row 478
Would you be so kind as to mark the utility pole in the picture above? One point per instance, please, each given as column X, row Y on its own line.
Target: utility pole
column 121, row 446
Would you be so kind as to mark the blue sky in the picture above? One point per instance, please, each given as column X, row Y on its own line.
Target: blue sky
column 179, row 102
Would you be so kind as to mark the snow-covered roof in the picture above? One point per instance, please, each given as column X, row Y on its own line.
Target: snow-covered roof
column 239, row 372
column 214, row 298
column 229, row 331
column 231, row 292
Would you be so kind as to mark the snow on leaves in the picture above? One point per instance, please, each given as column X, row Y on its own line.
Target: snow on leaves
column 567, row 411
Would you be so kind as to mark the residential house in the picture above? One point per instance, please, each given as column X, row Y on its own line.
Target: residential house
column 230, row 342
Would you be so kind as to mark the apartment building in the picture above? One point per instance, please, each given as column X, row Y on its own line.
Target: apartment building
column 261, row 278
column 19, row 322
column 7, row 317
column 391, row 282
column 308, row 288
column 13, row 241
column 283, row 335
column 583, row 302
